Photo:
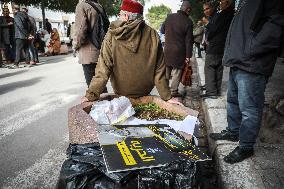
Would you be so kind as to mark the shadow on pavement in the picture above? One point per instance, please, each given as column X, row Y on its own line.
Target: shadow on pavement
column 52, row 60
column 20, row 84
column 12, row 74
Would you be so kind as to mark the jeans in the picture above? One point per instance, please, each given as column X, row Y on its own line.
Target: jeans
column 245, row 101
column 32, row 51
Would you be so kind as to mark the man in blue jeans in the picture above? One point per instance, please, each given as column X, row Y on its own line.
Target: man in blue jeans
column 253, row 44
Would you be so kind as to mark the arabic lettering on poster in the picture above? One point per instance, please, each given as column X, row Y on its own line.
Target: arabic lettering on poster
column 137, row 147
column 125, row 153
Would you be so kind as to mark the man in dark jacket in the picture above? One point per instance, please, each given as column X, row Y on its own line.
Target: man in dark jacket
column 216, row 34
column 22, row 32
column 178, row 30
column 48, row 26
column 252, row 47
column 32, row 49
column 4, row 36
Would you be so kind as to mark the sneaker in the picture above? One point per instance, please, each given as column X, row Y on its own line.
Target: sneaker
column 238, row 154
column 224, row 135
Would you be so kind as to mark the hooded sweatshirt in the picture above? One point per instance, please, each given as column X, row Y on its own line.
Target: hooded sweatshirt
column 132, row 57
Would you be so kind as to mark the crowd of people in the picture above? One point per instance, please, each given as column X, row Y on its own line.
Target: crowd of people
column 246, row 36
column 20, row 41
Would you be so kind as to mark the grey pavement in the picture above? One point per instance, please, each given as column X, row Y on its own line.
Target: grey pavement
column 34, row 103
column 265, row 169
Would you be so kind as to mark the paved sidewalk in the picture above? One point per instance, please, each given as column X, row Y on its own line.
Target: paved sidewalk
column 265, row 170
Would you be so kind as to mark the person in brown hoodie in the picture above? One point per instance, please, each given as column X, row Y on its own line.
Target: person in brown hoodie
column 132, row 57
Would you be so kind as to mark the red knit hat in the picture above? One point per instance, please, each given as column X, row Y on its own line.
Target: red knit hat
column 132, row 6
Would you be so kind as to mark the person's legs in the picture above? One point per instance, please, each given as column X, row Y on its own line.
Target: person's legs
column 1, row 63
column 210, row 75
column 234, row 116
column 233, row 113
column 32, row 51
column 176, row 77
column 89, row 73
column 219, row 74
column 19, row 47
column 251, row 89
column 26, row 51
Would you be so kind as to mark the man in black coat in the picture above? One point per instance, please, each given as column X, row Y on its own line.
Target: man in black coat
column 253, row 44
column 178, row 30
column 22, row 33
column 216, row 33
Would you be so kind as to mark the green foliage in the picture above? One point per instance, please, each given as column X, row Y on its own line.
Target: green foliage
column 111, row 6
column 157, row 15
column 57, row 5
column 197, row 10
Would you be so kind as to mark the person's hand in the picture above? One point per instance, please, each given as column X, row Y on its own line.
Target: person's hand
column 84, row 99
column 175, row 101
column 187, row 60
column 10, row 23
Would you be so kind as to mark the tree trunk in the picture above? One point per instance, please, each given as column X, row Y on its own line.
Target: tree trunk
column 43, row 15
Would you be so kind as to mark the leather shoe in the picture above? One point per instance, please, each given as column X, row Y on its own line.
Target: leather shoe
column 238, row 155
column 208, row 96
column 224, row 135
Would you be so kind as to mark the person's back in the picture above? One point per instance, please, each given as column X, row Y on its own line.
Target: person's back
column 22, row 25
column 136, row 48
column 132, row 57
column 86, row 17
column 176, row 30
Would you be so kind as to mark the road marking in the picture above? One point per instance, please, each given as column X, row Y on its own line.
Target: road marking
column 43, row 174
column 20, row 120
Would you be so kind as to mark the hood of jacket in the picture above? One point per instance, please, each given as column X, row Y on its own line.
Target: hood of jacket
column 129, row 33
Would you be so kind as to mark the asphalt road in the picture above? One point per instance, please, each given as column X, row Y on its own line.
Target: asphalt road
column 33, row 120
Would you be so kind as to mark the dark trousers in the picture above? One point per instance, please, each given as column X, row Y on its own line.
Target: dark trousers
column 1, row 59
column 245, row 100
column 22, row 44
column 89, row 72
column 213, row 74
column 32, row 51
column 198, row 49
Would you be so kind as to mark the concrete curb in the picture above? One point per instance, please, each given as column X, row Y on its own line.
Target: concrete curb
column 240, row 175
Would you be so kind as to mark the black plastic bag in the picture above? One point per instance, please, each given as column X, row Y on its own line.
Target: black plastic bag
column 85, row 169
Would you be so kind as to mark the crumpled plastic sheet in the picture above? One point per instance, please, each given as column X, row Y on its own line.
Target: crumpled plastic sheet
column 85, row 169
column 112, row 112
